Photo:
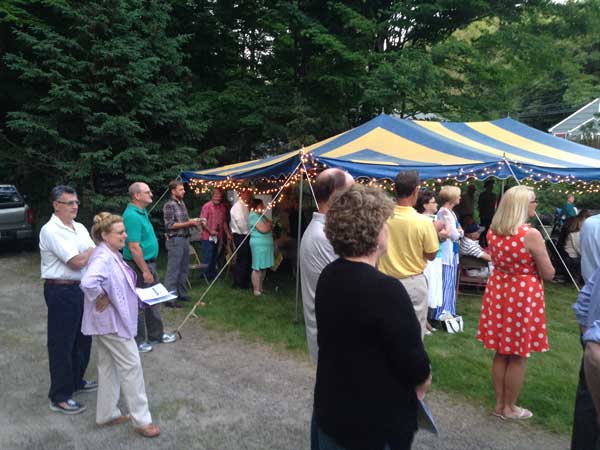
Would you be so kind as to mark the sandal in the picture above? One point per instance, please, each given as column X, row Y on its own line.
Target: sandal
column 523, row 414
column 151, row 430
column 498, row 415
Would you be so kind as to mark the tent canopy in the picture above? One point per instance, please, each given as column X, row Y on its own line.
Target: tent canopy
column 385, row 145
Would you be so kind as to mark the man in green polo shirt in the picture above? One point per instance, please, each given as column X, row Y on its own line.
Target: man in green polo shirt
column 140, row 253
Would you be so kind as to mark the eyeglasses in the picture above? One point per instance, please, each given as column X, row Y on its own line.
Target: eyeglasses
column 146, row 192
column 533, row 201
column 71, row 203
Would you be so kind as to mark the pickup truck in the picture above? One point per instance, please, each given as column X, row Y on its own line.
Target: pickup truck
column 16, row 218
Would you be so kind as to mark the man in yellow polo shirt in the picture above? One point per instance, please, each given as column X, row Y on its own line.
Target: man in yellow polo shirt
column 412, row 241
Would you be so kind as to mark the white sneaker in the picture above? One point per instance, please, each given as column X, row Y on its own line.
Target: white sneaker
column 144, row 347
column 167, row 338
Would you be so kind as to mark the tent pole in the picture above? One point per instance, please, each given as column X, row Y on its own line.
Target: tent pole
column 199, row 302
column 298, row 242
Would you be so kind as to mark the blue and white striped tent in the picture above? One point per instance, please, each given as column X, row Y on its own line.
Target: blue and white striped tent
column 385, row 145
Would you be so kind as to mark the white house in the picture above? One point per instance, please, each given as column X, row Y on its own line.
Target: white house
column 581, row 120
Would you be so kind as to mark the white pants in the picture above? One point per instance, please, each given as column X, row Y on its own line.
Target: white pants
column 433, row 275
column 120, row 367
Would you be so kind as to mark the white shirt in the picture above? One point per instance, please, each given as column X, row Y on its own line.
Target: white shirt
column 239, row 218
column 58, row 244
column 572, row 247
column 447, row 247
column 589, row 243
column 316, row 252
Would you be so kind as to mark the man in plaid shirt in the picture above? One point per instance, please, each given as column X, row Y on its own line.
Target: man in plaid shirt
column 177, row 241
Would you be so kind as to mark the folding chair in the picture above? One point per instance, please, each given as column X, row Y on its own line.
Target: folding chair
column 465, row 280
column 196, row 264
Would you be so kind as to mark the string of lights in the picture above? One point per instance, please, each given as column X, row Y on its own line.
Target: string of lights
column 563, row 184
column 261, row 186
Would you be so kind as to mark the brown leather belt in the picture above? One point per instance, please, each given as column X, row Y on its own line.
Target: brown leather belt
column 70, row 282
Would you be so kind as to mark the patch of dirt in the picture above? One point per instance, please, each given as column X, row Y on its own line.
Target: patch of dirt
column 210, row 391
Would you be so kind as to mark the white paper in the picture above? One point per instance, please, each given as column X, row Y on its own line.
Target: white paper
column 155, row 294
column 425, row 419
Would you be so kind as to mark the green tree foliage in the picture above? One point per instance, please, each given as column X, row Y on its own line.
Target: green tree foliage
column 101, row 93
column 540, row 66
column 108, row 98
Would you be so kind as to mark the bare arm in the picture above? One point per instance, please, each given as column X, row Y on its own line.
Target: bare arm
column 422, row 388
column 485, row 256
column 442, row 230
column 264, row 227
column 204, row 225
column 534, row 242
column 430, row 256
column 591, row 364
column 79, row 262
column 455, row 232
column 138, row 258
column 179, row 225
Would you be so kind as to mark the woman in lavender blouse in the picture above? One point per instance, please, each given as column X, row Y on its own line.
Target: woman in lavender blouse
column 110, row 315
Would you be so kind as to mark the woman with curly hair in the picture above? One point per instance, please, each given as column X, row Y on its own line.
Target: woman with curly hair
column 110, row 315
column 372, row 366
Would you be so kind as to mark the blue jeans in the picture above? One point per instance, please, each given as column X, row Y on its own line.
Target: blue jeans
column 326, row 442
column 68, row 349
column 209, row 256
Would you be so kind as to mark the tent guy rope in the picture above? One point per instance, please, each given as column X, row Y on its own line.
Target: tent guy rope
column 203, row 296
column 547, row 235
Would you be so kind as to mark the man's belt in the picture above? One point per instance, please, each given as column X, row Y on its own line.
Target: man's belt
column 66, row 282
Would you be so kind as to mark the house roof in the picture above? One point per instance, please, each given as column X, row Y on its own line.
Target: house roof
column 578, row 118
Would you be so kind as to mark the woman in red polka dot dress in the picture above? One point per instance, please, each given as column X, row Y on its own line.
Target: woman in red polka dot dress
column 513, row 318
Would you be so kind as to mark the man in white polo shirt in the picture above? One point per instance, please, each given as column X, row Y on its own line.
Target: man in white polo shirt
column 65, row 247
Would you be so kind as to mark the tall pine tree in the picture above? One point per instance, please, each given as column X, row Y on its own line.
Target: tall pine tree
column 108, row 98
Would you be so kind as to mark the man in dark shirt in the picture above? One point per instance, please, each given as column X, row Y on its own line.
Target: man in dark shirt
column 177, row 241
column 487, row 207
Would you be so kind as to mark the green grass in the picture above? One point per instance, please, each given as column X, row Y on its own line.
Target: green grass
column 269, row 318
column 461, row 366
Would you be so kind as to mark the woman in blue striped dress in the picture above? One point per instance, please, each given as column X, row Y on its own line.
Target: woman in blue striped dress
column 449, row 197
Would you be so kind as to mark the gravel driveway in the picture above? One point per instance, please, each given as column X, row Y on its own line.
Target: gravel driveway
column 210, row 391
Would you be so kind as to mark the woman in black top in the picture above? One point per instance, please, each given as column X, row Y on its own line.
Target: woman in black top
column 372, row 365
